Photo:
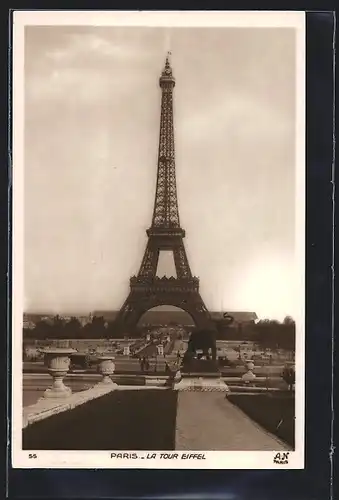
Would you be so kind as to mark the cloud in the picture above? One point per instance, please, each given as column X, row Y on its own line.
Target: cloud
column 236, row 113
column 78, row 68
column 84, row 85
column 89, row 45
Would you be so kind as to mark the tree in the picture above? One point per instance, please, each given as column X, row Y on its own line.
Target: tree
column 97, row 328
column 57, row 327
column 42, row 330
column 287, row 340
column 266, row 332
column 28, row 333
column 112, row 331
column 289, row 321
column 272, row 334
column 86, row 330
column 72, row 328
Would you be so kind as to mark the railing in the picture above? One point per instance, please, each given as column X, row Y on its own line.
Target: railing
column 165, row 282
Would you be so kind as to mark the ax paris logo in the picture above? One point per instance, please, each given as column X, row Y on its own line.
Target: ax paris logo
column 281, row 458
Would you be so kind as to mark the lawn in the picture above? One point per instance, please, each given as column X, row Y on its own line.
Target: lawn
column 120, row 420
column 273, row 411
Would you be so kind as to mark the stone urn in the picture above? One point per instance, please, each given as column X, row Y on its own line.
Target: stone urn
column 106, row 368
column 57, row 360
column 127, row 350
column 249, row 376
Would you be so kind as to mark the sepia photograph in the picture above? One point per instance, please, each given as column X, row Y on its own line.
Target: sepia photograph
column 158, row 240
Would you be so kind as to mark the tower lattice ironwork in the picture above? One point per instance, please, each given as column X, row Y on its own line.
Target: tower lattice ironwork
column 146, row 289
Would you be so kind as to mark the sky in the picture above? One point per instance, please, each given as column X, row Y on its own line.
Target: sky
column 92, row 113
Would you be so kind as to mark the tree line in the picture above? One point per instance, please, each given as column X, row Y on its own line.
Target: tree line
column 58, row 327
column 267, row 333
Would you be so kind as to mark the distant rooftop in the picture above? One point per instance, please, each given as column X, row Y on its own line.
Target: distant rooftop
column 158, row 317
column 180, row 317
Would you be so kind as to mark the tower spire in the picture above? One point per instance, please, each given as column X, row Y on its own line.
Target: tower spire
column 168, row 59
column 166, row 213
column 166, row 78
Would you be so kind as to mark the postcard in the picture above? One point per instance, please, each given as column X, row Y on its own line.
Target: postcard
column 158, row 240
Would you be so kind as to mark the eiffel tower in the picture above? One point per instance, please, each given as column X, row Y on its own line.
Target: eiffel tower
column 165, row 234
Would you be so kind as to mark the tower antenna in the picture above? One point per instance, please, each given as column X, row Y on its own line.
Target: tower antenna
column 167, row 40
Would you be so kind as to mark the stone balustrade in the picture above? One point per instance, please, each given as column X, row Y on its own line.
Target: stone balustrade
column 59, row 398
column 47, row 407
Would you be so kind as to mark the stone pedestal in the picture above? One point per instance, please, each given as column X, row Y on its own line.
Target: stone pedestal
column 200, row 366
column 201, row 384
column 200, row 375
column 127, row 350
column 57, row 359
column 249, row 376
column 106, row 367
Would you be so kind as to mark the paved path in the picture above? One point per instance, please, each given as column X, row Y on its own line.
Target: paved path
column 208, row 421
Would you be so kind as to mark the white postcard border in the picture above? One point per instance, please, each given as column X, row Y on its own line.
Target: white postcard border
column 102, row 459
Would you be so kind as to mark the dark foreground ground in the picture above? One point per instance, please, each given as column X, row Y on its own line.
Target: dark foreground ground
column 168, row 420
column 131, row 420
column 273, row 411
